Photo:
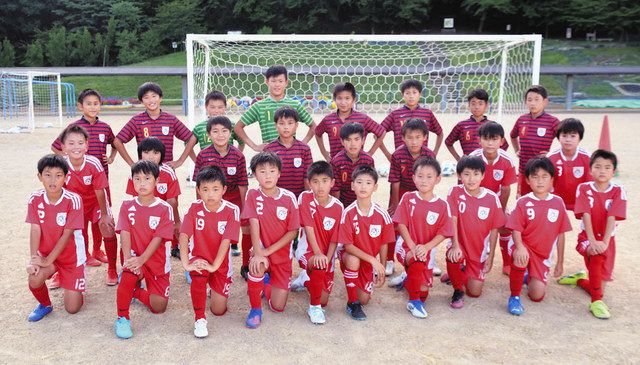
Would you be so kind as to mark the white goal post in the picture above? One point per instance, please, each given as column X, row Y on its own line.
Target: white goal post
column 449, row 67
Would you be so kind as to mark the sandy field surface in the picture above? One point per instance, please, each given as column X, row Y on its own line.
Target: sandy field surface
column 558, row 330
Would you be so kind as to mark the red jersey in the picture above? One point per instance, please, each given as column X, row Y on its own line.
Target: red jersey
column 86, row 180
column 540, row 222
column 501, row 172
column 343, row 167
column 233, row 165
column 277, row 215
column 167, row 186
column 53, row 218
column 209, row 229
column 466, row 132
column 424, row 219
column 144, row 223
column 164, row 128
column 570, row 172
column 295, row 163
column 323, row 220
column 477, row 216
column 402, row 166
column 395, row 120
column 367, row 230
column 332, row 123
column 600, row 205
column 535, row 135
column 100, row 136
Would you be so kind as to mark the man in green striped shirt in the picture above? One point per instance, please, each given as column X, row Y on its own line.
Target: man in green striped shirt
column 263, row 111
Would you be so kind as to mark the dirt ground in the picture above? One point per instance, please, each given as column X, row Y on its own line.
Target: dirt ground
column 558, row 330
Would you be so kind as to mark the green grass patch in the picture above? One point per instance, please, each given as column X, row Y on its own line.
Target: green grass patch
column 126, row 86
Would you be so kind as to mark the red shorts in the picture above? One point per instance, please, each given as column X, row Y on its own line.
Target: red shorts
column 538, row 266
column 280, row 275
column 219, row 281
column 427, row 274
column 474, row 266
column 609, row 255
column 71, row 277
column 523, row 187
column 328, row 277
column 156, row 284
column 365, row 273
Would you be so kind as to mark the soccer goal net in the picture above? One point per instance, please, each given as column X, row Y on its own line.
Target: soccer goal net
column 30, row 100
column 449, row 66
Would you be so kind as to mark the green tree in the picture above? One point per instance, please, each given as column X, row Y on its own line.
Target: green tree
column 128, row 51
column 99, row 50
column 7, row 54
column 83, row 51
column 175, row 19
column 56, row 47
column 150, row 44
column 483, row 7
column 129, row 16
column 76, row 14
column 109, row 53
column 390, row 15
column 34, row 55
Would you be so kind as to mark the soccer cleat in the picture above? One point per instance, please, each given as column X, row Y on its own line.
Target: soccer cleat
column 457, row 300
column 175, row 252
column 417, row 309
column 40, row 312
column 91, row 261
column 297, row 284
column 398, row 281
column 100, row 256
column 316, row 314
column 254, row 318
column 244, row 271
column 599, row 310
column 187, row 276
column 234, row 250
column 355, row 311
column 437, row 271
column 573, row 278
column 54, row 282
column 200, row 328
column 388, row 270
column 515, row 307
column 112, row 277
column 122, row 328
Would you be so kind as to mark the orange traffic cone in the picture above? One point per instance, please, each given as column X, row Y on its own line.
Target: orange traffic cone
column 605, row 137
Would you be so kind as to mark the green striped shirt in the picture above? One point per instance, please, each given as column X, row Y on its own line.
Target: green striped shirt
column 200, row 131
column 263, row 112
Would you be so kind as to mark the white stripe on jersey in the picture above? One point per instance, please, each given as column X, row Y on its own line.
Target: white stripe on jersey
column 290, row 195
column 75, row 198
column 169, row 170
column 385, row 214
column 35, row 194
column 81, row 254
column 94, row 161
column 346, row 210
column 170, row 210
column 236, row 209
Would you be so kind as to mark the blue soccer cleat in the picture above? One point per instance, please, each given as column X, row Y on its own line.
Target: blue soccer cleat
column 40, row 312
column 515, row 306
column 254, row 318
column 122, row 328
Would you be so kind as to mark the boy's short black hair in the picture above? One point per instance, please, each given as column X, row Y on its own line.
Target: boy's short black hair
column 538, row 89
column 538, row 163
column 276, row 70
column 265, row 158
column 344, row 86
column 351, row 128
column 286, row 112
column 471, row 163
column 570, row 125
column 415, row 124
column 480, row 94
column 411, row 83
column 145, row 167
column 211, row 174
column 319, row 168
column 149, row 87
column 365, row 170
column 490, row 130
column 219, row 120
column 151, row 144
column 215, row 95
column 607, row 155
column 73, row 128
column 52, row 161
column 425, row 162
column 88, row 92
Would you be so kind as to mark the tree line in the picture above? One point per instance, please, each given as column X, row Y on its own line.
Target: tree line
column 101, row 33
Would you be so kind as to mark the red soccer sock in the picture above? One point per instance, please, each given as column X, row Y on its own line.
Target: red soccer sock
column 199, row 295
column 315, row 285
column 96, row 236
column 111, row 249
column 595, row 265
column 457, row 276
column 424, row 294
column 255, row 286
column 391, row 251
column 585, row 284
column 415, row 275
column 246, row 246
column 504, row 250
column 41, row 294
column 143, row 296
column 85, row 235
column 124, row 294
column 350, row 280
column 516, row 279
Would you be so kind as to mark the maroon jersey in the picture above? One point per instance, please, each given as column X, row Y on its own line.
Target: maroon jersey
column 402, row 166
column 466, row 132
column 209, row 229
column 332, row 123
column 100, row 136
column 53, row 218
column 277, row 215
column 167, row 186
column 233, row 164
column 165, row 127
column 540, row 222
column 570, row 172
column 368, row 231
column 600, row 205
column 343, row 167
column 424, row 219
column 295, row 162
column 395, row 121
column 86, row 180
column 324, row 220
column 144, row 223
column 477, row 216
column 501, row 172
column 535, row 135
